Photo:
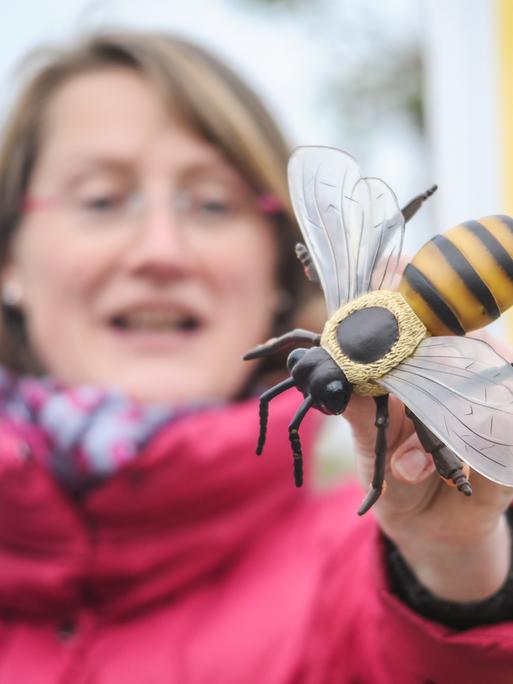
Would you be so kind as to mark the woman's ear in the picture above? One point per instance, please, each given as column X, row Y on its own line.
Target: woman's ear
column 11, row 290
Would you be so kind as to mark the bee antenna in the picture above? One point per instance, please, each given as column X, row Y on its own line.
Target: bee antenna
column 295, row 442
column 265, row 398
column 431, row 190
column 412, row 207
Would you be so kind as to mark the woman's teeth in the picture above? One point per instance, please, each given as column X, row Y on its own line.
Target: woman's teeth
column 155, row 321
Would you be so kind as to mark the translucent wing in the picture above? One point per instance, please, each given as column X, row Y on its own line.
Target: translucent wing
column 462, row 390
column 353, row 226
column 381, row 240
column 322, row 181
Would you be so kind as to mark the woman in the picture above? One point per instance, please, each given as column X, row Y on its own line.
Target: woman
column 140, row 540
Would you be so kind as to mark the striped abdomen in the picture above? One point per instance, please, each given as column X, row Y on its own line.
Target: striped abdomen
column 463, row 279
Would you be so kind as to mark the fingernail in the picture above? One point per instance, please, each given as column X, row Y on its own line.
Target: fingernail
column 411, row 464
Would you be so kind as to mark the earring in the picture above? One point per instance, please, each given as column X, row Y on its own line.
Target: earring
column 11, row 293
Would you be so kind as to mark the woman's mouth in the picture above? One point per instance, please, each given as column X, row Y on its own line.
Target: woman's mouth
column 159, row 322
column 156, row 330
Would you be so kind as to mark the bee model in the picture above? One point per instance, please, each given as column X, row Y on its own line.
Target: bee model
column 457, row 390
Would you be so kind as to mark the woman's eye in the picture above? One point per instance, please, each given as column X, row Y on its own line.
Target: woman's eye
column 102, row 203
column 215, row 206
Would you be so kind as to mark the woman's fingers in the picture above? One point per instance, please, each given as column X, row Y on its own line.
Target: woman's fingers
column 407, row 462
column 410, row 463
column 361, row 415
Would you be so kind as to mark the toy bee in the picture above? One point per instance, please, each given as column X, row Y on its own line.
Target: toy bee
column 457, row 390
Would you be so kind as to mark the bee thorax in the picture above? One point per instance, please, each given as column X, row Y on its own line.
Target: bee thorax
column 370, row 336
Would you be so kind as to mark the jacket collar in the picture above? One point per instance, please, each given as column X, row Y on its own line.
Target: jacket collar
column 194, row 498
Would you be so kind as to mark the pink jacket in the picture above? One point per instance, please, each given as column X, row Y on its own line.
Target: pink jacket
column 198, row 563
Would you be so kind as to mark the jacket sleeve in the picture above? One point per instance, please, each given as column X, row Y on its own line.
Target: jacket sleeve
column 494, row 609
column 411, row 644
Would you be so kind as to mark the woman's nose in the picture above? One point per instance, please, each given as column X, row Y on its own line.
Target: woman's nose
column 160, row 246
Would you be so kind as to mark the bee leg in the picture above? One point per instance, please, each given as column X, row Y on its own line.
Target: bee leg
column 378, row 478
column 448, row 465
column 295, row 441
column 304, row 257
column 294, row 338
column 265, row 398
column 415, row 204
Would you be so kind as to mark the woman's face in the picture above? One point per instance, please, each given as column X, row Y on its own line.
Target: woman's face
column 143, row 261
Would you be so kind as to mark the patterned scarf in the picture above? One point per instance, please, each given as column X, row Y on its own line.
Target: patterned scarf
column 90, row 432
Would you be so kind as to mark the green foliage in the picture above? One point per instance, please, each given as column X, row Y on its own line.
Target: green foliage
column 373, row 75
column 380, row 88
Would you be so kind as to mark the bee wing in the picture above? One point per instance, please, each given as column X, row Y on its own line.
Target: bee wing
column 322, row 181
column 353, row 226
column 381, row 240
column 462, row 390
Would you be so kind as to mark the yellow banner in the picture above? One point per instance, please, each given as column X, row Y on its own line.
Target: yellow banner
column 504, row 33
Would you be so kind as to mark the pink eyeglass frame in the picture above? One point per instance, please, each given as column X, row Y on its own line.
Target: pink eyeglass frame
column 268, row 204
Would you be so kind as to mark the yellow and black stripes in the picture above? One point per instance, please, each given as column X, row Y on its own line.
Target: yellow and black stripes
column 495, row 235
column 463, row 279
column 428, row 304
column 470, row 276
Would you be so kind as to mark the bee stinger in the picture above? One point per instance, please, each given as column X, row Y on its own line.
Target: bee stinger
column 457, row 390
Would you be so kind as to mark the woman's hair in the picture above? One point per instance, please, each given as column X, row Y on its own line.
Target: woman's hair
column 197, row 88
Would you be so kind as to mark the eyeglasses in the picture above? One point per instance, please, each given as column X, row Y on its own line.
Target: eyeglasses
column 196, row 206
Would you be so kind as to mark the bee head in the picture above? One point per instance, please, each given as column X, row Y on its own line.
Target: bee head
column 315, row 373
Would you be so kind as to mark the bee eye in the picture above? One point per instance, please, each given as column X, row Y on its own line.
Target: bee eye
column 294, row 356
column 336, row 396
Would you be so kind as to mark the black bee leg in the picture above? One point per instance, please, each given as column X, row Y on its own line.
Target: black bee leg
column 378, row 478
column 295, row 441
column 265, row 398
column 448, row 465
column 412, row 207
column 294, row 338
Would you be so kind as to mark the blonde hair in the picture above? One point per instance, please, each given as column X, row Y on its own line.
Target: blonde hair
column 199, row 89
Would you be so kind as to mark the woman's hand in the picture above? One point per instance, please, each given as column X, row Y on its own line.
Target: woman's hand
column 459, row 547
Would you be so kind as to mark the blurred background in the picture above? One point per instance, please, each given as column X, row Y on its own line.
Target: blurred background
column 419, row 91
